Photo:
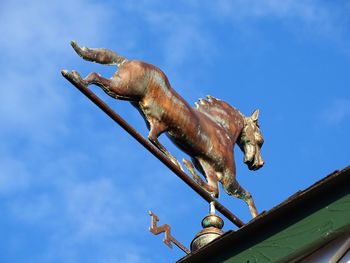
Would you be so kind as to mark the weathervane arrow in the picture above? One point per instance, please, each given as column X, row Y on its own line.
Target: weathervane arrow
column 165, row 228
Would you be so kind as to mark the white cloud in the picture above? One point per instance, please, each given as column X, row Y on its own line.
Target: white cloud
column 76, row 204
column 31, row 105
column 35, row 43
column 78, row 207
column 97, row 208
column 254, row 8
column 33, row 209
column 309, row 19
column 42, row 178
column 338, row 111
column 13, row 176
column 37, row 26
column 184, row 36
column 180, row 35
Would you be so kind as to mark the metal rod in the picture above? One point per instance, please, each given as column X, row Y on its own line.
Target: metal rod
column 212, row 208
column 157, row 153
column 180, row 246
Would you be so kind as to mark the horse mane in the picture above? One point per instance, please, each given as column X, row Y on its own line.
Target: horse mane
column 222, row 113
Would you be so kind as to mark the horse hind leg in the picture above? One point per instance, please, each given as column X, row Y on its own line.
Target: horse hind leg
column 113, row 87
column 99, row 55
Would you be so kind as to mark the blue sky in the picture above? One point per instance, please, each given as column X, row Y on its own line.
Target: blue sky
column 74, row 187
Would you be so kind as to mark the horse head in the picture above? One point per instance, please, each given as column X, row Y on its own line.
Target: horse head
column 250, row 141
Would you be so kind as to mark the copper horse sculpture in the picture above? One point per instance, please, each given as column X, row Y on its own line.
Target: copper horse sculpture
column 207, row 132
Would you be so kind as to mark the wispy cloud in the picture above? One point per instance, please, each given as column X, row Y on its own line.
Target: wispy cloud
column 177, row 33
column 39, row 179
column 32, row 209
column 307, row 19
column 338, row 112
column 34, row 47
column 14, row 176
column 96, row 208
column 81, row 212
column 42, row 28
column 307, row 10
column 50, row 177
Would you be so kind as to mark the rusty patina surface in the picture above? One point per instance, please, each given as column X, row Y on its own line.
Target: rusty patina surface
column 206, row 132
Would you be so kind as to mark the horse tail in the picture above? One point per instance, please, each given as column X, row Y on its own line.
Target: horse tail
column 99, row 55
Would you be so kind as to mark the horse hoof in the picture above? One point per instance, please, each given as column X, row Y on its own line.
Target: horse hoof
column 197, row 179
column 64, row 72
column 74, row 44
column 76, row 75
column 177, row 163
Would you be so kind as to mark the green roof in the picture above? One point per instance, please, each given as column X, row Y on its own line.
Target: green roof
column 295, row 228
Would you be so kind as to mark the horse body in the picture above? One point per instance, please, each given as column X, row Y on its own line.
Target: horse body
column 207, row 132
column 166, row 111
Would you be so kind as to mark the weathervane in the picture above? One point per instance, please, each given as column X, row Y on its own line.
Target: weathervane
column 207, row 132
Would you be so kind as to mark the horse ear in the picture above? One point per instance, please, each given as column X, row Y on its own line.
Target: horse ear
column 255, row 115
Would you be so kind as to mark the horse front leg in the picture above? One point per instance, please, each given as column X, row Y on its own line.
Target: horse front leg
column 232, row 187
column 190, row 167
column 172, row 158
column 248, row 198
column 212, row 186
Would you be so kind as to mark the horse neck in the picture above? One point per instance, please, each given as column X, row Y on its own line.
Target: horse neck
column 236, row 124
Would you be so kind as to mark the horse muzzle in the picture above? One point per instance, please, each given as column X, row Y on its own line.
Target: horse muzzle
column 256, row 165
column 253, row 159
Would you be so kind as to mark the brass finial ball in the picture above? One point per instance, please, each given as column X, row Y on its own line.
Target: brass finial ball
column 212, row 220
column 212, row 225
